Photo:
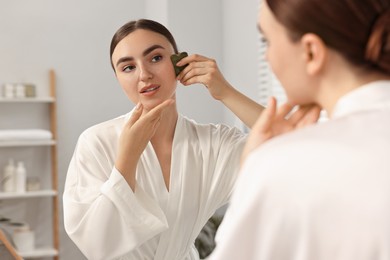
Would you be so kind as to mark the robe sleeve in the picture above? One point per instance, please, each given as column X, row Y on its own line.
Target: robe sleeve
column 102, row 215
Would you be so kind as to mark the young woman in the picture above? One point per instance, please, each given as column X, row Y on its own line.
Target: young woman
column 321, row 192
column 142, row 186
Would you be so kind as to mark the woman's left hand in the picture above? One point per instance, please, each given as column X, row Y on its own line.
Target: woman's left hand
column 204, row 70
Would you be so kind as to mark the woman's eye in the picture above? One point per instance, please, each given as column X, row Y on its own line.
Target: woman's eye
column 129, row 68
column 156, row 58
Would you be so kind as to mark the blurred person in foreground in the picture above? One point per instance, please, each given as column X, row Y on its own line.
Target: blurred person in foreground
column 321, row 192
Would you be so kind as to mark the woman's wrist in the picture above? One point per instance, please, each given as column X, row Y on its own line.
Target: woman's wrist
column 230, row 93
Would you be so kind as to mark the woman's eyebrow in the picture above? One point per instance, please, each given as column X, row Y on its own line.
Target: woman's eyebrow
column 124, row 59
column 152, row 48
column 144, row 53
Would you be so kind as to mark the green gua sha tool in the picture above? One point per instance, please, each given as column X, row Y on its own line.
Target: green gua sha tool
column 175, row 58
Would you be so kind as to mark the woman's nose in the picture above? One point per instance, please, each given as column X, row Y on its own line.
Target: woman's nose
column 145, row 73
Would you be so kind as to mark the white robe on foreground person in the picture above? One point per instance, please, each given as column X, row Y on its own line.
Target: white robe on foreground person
column 319, row 193
column 107, row 220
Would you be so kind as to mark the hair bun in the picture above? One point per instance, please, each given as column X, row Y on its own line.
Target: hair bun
column 378, row 44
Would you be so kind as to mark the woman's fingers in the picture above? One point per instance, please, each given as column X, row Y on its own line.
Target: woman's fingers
column 192, row 58
column 156, row 112
column 261, row 130
column 197, row 67
column 305, row 115
column 197, row 78
column 284, row 110
column 310, row 117
column 190, row 72
column 264, row 122
column 149, row 118
column 297, row 115
column 136, row 114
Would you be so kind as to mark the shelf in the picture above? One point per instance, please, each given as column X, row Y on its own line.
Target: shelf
column 27, row 194
column 39, row 252
column 39, row 149
column 27, row 143
column 28, row 100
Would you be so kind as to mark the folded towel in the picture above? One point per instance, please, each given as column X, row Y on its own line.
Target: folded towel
column 25, row 134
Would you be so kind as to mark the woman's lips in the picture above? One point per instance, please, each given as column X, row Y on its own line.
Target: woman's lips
column 149, row 89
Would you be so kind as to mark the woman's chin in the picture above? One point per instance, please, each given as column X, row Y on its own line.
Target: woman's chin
column 150, row 104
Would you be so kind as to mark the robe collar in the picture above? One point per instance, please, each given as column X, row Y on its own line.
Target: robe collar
column 371, row 96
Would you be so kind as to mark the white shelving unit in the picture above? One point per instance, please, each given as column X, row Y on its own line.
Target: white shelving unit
column 48, row 193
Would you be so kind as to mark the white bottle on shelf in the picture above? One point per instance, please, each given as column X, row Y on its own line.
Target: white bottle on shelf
column 20, row 91
column 8, row 181
column 20, row 177
column 9, row 90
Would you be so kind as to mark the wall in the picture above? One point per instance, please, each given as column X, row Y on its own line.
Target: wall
column 73, row 38
column 241, row 49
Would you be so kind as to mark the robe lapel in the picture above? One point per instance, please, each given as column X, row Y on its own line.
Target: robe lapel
column 174, row 190
column 150, row 177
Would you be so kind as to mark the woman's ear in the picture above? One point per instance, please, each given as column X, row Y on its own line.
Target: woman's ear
column 314, row 53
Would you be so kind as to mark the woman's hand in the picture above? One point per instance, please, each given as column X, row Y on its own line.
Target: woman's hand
column 275, row 121
column 204, row 70
column 135, row 135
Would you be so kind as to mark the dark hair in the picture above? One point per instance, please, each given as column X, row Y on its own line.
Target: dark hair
column 144, row 24
column 357, row 29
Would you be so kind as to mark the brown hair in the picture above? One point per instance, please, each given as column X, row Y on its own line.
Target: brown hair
column 358, row 29
column 144, row 24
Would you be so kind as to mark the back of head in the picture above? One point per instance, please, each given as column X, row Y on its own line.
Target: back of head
column 357, row 29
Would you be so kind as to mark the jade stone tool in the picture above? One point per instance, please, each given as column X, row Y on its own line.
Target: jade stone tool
column 175, row 58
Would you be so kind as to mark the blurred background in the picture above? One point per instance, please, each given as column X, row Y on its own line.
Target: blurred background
column 72, row 38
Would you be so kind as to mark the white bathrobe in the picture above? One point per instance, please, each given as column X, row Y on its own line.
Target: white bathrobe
column 107, row 220
column 320, row 193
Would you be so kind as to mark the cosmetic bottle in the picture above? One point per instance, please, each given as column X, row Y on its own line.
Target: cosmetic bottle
column 20, row 91
column 9, row 90
column 20, row 177
column 8, row 181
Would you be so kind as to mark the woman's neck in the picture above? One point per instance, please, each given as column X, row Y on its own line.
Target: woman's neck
column 166, row 129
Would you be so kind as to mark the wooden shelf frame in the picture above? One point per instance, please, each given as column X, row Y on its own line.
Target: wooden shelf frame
column 54, row 161
column 9, row 247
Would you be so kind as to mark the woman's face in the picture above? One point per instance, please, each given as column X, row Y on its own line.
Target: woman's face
column 285, row 57
column 144, row 69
